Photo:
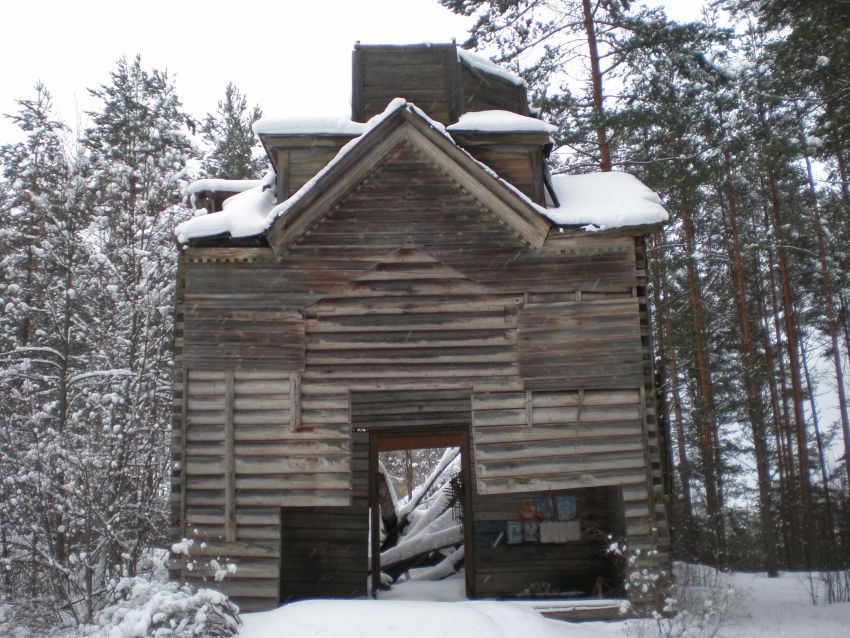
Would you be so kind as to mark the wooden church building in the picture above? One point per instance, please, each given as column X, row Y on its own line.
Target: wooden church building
column 414, row 277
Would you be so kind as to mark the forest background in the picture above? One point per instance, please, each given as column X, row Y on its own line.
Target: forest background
column 739, row 120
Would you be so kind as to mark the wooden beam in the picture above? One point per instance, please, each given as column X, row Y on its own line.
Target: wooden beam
column 374, row 511
column 294, row 401
column 455, row 98
column 357, row 84
column 229, row 462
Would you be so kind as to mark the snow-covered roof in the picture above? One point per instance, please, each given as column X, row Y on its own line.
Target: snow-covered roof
column 308, row 125
column 488, row 66
column 221, row 185
column 597, row 200
column 604, row 200
column 243, row 215
column 500, row 122
column 252, row 212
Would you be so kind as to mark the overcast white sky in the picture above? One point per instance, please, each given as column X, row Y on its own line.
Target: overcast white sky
column 290, row 57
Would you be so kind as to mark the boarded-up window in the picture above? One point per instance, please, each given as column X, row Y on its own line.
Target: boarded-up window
column 581, row 344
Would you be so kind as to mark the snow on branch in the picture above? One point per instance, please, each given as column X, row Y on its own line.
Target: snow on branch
column 419, row 493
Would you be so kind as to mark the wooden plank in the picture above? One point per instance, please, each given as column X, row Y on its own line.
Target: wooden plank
column 295, row 401
column 184, row 426
column 229, row 462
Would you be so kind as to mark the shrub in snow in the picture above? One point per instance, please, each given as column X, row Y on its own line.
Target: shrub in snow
column 151, row 609
column 642, row 579
column 699, row 604
column 827, row 587
column 205, row 568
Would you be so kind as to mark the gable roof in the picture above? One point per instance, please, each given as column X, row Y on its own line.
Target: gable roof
column 245, row 215
column 403, row 122
column 597, row 201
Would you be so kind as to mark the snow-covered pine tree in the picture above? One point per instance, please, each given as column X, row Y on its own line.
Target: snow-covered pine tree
column 234, row 151
column 85, row 341
column 140, row 151
column 44, row 436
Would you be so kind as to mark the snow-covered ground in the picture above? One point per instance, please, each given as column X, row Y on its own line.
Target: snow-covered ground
column 757, row 607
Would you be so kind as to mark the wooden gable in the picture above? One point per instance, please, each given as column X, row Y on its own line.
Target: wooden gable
column 424, row 157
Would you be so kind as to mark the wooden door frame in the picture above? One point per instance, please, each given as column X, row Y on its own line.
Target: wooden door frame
column 386, row 439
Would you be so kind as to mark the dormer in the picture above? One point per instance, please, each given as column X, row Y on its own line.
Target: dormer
column 514, row 146
column 298, row 148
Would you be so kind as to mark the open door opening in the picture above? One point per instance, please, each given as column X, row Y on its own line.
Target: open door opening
column 418, row 505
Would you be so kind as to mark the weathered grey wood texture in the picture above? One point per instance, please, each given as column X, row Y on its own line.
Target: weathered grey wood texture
column 578, row 568
column 433, row 77
column 323, row 549
column 408, row 284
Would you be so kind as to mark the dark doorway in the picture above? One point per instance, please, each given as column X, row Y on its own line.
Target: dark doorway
column 395, row 439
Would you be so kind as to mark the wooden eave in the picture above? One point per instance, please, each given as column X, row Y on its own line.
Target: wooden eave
column 564, row 233
column 501, row 138
column 407, row 126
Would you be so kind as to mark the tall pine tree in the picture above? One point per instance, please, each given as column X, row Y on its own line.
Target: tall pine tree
column 234, row 152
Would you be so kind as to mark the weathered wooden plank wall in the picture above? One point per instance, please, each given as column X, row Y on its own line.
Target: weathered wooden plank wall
column 323, row 549
column 297, row 158
column 432, row 77
column 419, row 74
column 409, row 284
column 587, row 343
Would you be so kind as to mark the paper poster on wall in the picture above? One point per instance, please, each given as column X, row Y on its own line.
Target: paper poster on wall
column 530, row 518
column 545, row 508
column 514, row 532
column 566, row 507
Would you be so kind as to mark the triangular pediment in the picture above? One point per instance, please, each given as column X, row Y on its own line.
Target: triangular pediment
column 410, row 276
column 407, row 128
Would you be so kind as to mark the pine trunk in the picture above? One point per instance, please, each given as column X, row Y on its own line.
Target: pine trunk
column 831, row 321
column 827, row 528
column 602, row 140
column 755, row 407
column 794, row 364
column 784, row 449
column 668, row 370
column 705, row 413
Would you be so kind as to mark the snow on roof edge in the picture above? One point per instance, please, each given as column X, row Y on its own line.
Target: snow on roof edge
column 595, row 201
column 221, row 185
column 602, row 201
column 499, row 121
column 308, row 125
column 486, row 65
